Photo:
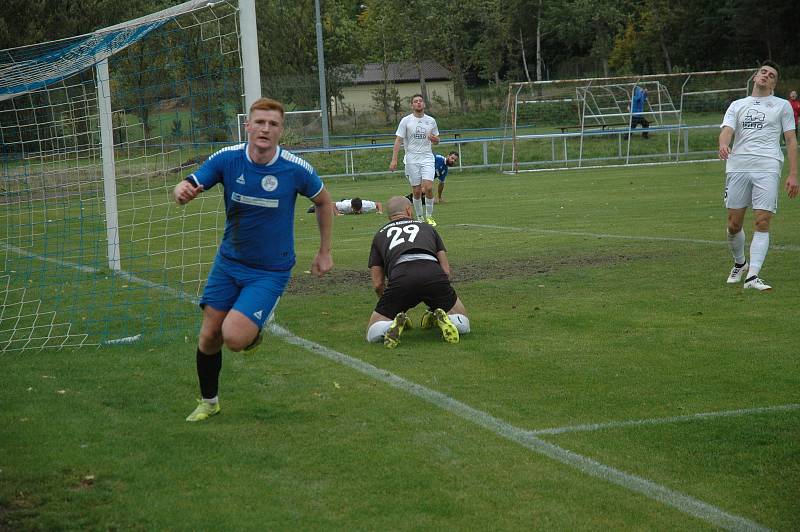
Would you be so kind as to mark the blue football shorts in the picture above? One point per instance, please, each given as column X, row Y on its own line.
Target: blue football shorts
column 251, row 291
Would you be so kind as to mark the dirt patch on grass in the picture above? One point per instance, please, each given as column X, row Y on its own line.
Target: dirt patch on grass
column 16, row 510
column 343, row 281
column 335, row 281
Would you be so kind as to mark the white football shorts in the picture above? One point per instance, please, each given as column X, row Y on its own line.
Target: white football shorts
column 758, row 190
column 416, row 172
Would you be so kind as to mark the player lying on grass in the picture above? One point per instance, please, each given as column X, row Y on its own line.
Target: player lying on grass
column 411, row 254
column 353, row 206
column 256, row 256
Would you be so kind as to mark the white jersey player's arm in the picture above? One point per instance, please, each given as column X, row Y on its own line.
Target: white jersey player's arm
column 725, row 137
column 792, row 186
column 395, row 150
column 433, row 136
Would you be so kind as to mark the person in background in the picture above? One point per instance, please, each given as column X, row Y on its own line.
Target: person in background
column 417, row 133
column 441, row 165
column 638, row 101
column 795, row 103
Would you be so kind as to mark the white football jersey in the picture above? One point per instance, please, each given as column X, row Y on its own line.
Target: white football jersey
column 414, row 132
column 758, row 124
column 345, row 206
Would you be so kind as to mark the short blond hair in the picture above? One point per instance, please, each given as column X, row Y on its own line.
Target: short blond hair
column 266, row 104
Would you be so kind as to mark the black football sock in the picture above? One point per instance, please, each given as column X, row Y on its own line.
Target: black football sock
column 208, row 369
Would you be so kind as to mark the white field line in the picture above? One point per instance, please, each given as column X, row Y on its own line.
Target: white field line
column 660, row 163
column 721, row 242
column 666, row 420
column 528, row 439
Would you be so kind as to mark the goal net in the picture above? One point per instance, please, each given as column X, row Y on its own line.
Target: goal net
column 619, row 120
column 95, row 131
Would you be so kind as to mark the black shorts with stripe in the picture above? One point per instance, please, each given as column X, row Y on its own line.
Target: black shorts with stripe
column 415, row 282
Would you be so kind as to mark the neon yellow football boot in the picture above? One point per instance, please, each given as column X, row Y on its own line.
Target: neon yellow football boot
column 204, row 411
column 449, row 331
column 392, row 337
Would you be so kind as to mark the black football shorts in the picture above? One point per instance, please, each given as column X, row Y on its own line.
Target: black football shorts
column 415, row 282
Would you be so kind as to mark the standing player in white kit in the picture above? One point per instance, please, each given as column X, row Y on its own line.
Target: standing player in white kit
column 418, row 133
column 753, row 169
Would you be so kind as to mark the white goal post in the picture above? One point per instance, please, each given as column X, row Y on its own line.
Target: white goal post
column 95, row 131
column 590, row 121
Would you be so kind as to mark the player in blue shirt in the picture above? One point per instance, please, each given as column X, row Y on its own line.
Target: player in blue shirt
column 261, row 182
column 638, row 100
column 441, row 164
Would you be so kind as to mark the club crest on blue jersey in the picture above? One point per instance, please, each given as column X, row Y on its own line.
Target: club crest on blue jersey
column 269, row 183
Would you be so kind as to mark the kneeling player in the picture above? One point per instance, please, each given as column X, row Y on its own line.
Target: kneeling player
column 412, row 256
column 441, row 164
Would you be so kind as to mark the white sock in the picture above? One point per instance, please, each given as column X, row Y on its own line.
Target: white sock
column 428, row 207
column 758, row 252
column 736, row 243
column 417, row 207
column 214, row 400
column 377, row 330
column 461, row 322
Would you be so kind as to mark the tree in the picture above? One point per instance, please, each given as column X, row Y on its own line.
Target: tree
column 343, row 43
column 378, row 24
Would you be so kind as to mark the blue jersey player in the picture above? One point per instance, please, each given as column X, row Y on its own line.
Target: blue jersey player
column 441, row 164
column 261, row 182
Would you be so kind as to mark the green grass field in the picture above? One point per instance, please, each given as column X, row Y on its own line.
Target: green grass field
column 611, row 381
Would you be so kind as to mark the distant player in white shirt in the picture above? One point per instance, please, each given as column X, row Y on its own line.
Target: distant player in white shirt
column 353, row 206
column 357, row 206
column 418, row 133
column 753, row 169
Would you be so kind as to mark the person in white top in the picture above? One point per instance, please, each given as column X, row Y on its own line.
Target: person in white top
column 357, row 206
column 353, row 206
column 418, row 133
column 753, row 169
